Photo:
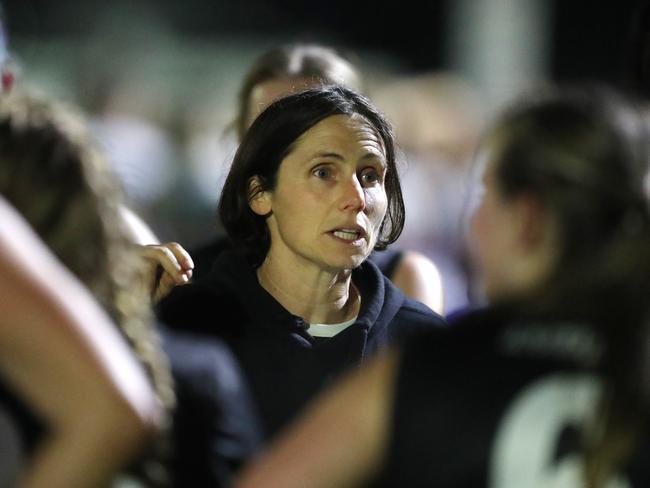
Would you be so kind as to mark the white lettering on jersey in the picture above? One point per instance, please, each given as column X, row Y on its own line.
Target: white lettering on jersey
column 528, row 434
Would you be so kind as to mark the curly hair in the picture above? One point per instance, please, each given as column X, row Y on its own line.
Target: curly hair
column 52, row 173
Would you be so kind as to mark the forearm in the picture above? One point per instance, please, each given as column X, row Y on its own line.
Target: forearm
column 56, row 342
column 85, row 457
column 63, row 357
column 341, row 439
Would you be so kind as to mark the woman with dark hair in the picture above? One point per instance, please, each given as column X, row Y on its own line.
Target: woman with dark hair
column 291, row 68
column 312, row 190
column 547, row 386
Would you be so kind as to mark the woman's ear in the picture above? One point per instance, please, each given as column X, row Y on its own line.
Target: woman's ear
column 259, row 199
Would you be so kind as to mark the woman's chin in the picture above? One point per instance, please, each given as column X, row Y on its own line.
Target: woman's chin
column 348, row 262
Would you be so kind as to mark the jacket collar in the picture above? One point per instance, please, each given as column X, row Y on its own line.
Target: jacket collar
column 380, row 300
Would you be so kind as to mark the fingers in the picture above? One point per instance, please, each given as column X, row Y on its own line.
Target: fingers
column 165, row 285
column 182, row 257
column 172, row 258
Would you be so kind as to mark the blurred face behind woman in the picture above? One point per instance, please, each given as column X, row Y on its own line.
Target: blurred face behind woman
column 514, row 236
column 491, row 235
column 327, row 208
column 265, row 93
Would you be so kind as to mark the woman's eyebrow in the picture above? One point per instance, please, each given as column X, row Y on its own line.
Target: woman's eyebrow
column 367, row 156
column 374, row 157
column 328, row 155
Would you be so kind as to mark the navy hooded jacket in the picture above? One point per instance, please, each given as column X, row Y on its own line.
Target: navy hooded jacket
column 284, row 365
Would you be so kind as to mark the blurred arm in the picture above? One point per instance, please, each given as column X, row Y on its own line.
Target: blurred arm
column 341, row 439
column 64, row 357
column 165, row 265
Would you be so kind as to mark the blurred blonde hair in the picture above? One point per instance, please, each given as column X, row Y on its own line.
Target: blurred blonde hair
column 52, row 173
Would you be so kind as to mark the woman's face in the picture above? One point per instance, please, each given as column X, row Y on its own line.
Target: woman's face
column 329, row 201
column 492, row 235
column 515, row 237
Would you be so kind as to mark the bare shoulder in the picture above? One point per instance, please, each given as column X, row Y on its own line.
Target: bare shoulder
column 418, row 278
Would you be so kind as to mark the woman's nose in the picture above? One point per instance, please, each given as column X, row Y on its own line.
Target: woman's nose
column 353, row 197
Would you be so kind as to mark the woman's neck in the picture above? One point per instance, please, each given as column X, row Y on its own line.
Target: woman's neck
column 319, row 297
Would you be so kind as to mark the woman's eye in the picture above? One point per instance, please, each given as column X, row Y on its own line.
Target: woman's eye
column 322, row 173
column 371, row 177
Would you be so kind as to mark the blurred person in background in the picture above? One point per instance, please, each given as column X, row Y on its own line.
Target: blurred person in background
column 58, row 182
column 548, row 385
column 56, row 178
column 63, row 364
column 59, row 345
column 312, row 191
column 291, row 68
column 438, row 119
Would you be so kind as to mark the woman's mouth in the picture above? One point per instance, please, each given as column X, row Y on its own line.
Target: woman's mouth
column 349, row 236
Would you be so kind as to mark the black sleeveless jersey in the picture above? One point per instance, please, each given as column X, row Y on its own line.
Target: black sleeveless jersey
column 492, row 402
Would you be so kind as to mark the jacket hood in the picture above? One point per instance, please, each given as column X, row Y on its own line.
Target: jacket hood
column 234, row 275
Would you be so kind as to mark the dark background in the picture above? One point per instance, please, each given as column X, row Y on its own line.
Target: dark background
column 590, row 39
